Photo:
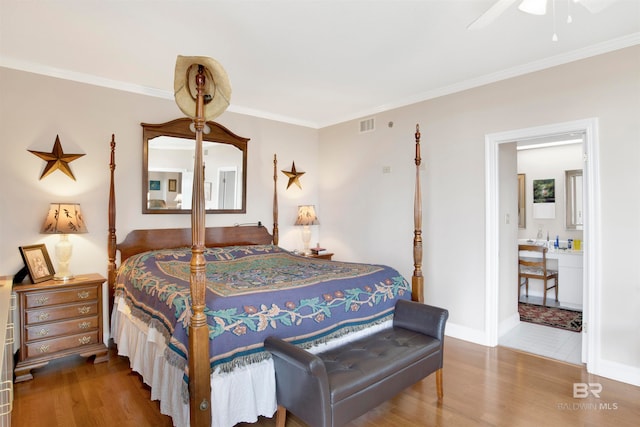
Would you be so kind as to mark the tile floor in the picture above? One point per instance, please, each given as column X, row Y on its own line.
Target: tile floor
column 545, row 341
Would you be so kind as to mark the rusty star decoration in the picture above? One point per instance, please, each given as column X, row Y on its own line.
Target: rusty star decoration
column 294, row 176
column 56, row 159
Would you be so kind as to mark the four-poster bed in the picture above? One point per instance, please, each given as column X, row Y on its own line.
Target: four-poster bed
column 192, row 307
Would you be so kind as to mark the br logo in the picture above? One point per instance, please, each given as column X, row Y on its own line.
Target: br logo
column 582, row 390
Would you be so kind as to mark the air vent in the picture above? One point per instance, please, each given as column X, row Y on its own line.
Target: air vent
column 367, row 125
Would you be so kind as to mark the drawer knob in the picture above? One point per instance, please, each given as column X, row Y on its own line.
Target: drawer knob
column 43, row 316
column 84, row 325
column 83, row 294
column 84, row 310
column 42, row 300
column 84, row 340
column 42, row 332
column 44, row 348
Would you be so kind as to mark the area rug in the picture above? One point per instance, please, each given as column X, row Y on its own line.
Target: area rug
column 551, row 316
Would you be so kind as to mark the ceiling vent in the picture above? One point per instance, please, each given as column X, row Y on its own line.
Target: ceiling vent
column 367, row 125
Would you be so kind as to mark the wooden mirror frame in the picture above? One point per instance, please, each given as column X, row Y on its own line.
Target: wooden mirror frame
column 181, row 128
column 573, row 199
column 522, row 201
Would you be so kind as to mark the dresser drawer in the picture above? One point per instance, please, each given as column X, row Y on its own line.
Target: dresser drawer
column 63, row 296
column 67, row 327
column 63, row 312
column 46, row 347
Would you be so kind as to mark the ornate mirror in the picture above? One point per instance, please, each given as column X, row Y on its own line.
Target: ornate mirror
column 167, row 168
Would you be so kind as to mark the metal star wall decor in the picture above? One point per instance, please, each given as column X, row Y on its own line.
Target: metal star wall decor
column 294, row 176
column 56, row 159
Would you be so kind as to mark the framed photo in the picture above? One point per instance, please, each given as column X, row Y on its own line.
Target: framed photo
column 36, row 259
column 154, row 185
column 544, row 191
column 173, row 184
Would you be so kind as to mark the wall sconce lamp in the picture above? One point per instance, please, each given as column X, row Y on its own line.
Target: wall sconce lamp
column 64, row 219
column 306, row 217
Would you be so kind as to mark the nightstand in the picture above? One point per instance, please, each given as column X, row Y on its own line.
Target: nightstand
column 321, row 256
column 59, row 319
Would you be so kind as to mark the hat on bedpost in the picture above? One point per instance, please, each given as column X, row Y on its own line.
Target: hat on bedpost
column 217, row 89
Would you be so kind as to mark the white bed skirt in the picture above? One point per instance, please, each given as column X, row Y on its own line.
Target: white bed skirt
column 239, row 396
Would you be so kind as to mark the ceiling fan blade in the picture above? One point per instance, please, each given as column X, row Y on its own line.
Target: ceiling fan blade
column 491, row 14
column 595, row 6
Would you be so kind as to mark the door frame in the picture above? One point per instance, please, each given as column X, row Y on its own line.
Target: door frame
column 592, row 269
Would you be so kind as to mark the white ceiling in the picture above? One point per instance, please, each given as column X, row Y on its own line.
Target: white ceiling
column 308, row 62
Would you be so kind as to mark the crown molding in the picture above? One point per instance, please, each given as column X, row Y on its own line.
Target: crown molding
column 597, row 49
column 553, row 61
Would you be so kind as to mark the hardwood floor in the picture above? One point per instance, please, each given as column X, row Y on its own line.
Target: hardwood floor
column 483, row 387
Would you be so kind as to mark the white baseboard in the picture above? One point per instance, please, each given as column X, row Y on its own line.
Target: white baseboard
column 465, row 333
column 618, row 372
column 508, row 324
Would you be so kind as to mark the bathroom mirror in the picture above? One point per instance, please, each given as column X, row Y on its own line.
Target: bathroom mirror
column 574, row 208
column 167, row 168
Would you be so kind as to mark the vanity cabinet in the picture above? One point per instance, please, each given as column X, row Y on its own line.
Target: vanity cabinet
column 58, row 319
column 569, row 265
column 570, row 275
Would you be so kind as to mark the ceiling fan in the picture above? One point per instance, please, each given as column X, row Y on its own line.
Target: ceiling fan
column 535, row 7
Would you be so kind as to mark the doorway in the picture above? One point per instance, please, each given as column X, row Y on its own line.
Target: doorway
column 226, row 188
column 497, row 318
column 542, row 164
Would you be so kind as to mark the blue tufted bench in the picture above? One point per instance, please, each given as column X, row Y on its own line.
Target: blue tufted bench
column 334, row 387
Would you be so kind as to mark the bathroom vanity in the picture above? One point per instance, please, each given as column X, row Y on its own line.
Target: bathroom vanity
column 569, row 264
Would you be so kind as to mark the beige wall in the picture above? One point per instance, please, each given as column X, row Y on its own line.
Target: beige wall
column 368, row 215
column 365, row 214
column 34, row 109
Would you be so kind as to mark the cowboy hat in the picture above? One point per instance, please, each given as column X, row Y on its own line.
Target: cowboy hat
column 217, row 89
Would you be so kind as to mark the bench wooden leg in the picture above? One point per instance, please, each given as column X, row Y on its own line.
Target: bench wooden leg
column 438, row 384
column 281, row 416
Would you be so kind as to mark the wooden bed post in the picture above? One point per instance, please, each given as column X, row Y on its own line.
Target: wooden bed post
column 199, row 369
column 276, row 236
column 111, row 245
column 417, row 280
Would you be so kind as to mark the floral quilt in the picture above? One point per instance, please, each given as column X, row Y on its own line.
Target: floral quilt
column 256, row 291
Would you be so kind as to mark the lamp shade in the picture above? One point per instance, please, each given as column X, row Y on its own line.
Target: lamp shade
column 64, row 218
column 307, row 215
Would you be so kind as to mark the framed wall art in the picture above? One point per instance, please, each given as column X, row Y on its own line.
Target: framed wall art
column 544, row 198
column 36, row 259
column 544, row 191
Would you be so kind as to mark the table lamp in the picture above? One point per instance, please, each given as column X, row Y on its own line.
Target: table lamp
column 64, row 219
column 306, row 217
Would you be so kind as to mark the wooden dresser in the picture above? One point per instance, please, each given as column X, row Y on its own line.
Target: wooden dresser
column 58, row 319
